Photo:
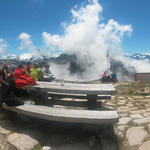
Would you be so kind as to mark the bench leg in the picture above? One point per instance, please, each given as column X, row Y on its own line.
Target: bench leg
column 92, row 102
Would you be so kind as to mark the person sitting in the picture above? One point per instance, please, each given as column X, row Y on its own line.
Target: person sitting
column 22, row 77
column 36, row 73
column 7, row 88
column 4, row 72
column 28, row 67
column 114, row 77
column 5, row 81
column 47, row 70
column 104, row 77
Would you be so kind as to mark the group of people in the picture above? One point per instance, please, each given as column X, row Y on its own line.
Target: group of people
column 22, row 75
column 109, row 77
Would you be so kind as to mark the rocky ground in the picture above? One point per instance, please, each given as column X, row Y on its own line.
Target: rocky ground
column 132, row 132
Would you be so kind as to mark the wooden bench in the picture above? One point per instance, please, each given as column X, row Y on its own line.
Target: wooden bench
column 91, row 92
column 66, row 115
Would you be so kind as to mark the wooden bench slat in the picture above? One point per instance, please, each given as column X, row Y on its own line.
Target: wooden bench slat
column 88, row 89
column 66, row 115
column 80, row 96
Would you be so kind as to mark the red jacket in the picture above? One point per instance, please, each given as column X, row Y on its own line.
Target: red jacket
column 21, row 78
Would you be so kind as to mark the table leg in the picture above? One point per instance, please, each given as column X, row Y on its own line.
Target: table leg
column 92, row 101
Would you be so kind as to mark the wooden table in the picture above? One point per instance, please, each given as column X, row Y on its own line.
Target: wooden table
column 90, row 90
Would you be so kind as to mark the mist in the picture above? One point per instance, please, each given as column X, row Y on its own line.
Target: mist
column 88, row 38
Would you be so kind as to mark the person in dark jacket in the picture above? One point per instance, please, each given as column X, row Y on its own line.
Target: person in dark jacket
column 7, row 88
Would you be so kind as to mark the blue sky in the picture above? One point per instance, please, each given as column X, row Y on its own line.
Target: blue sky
column 35, row 17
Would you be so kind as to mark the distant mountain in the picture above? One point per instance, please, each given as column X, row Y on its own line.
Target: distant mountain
column 139, row 56
column 63, row 58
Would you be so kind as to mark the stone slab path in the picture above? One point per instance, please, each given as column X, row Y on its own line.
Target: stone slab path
column 134, row 121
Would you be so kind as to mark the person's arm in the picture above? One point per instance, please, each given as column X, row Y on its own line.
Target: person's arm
column 26, row 72
column 7, row 74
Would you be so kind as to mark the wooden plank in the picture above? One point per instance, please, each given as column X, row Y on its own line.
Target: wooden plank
column 88, row 89
column 71, row 95
column 66, row 115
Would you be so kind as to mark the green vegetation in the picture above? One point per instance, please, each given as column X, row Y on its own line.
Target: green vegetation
column 37, row 147
column 120, row 142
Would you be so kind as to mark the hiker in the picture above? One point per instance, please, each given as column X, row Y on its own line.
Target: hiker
column 6, row 81
column 28, row 67
column 4, row 72
column 22, row 77
column 36, row 73
column 7, row 88
column 114, row 77
column 47, row 70
column 104, row 76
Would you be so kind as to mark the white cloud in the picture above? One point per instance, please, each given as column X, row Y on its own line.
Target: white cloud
column 88, row 37
column 3, row 46
column 25, row 56
column 26, row 44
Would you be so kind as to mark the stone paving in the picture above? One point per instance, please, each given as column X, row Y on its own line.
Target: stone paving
column 133, row 129
column 134, row 121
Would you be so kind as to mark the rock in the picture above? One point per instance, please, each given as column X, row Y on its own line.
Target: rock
column 138, row 111
column 110, row 104
column 130, row 105
column 147, row 114
column 21, row 141
column 121, row 97
column 46, row 148
column 4, row 144
column 123, row 110
column 148, row 127
column 113, row 97
column 4, row 131
column 147, row 90
column 138, row 97
column 120, row 134
column 130, row 98
column 124, row 120
column 138, row 116
column 123, row 127
column 141, row 121
column 136, row 135
column 147, row 96
column 145, row 146
column 109, row 107
column 123, row 115
column 121, row 104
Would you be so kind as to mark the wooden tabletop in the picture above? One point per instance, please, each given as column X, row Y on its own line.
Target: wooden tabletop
column 74, row 88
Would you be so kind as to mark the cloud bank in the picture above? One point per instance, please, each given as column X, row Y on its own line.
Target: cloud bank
column 89, row 38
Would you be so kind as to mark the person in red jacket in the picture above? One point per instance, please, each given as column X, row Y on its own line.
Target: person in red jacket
column 22, row 77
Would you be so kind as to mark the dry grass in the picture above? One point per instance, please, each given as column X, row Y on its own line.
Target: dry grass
column 131, row 88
